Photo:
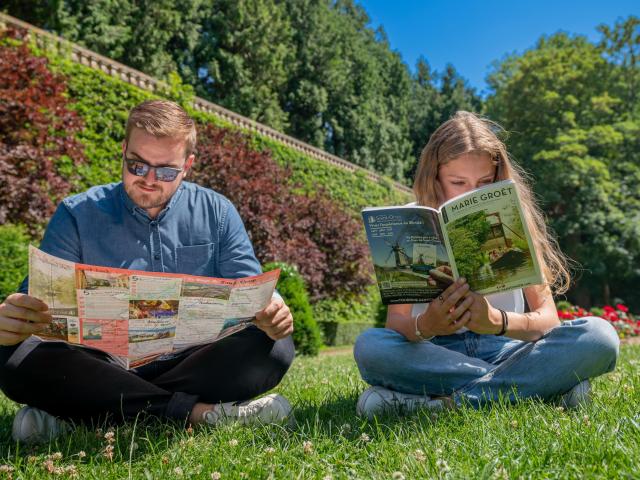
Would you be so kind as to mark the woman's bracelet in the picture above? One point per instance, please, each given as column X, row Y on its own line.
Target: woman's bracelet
column 418, row 332
column 505, row 323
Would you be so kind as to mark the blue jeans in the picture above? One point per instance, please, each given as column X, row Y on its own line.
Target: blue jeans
column 481, row 368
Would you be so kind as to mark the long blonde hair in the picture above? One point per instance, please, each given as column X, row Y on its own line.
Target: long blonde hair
column 465, row 133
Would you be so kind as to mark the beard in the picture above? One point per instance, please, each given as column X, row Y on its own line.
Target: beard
column 146, row 200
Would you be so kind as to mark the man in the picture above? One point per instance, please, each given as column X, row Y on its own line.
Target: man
column 151, row 221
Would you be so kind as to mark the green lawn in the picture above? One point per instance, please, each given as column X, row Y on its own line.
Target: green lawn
column 530, row 440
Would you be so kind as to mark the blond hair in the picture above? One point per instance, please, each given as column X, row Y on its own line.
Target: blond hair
column 465, row 133
column 163, row 119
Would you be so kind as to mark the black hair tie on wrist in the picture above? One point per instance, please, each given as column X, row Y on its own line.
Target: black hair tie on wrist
column 505, row 323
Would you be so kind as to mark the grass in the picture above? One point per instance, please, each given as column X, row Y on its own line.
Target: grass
column 527, row 440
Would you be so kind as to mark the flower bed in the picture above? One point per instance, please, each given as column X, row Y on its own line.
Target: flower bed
column 625, row 323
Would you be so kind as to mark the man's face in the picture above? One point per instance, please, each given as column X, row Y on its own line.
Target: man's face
column 148, row 192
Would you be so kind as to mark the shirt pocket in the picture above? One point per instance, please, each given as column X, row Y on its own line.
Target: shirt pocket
column 195, row 259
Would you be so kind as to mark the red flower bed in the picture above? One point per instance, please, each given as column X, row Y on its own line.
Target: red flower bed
column 625, row 323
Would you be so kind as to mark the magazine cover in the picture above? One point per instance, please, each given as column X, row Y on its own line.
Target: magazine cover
column 489, row 240
column 407, row 248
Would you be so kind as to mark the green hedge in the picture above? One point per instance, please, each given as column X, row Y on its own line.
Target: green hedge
column 354, row 190
column 343, row 319
column 14, row 252
column 335, row 334
column 355, row 309
column 306, row 333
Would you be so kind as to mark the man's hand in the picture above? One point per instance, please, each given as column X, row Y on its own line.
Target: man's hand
column 275, row 320
column 485, row 319
column 21, row 316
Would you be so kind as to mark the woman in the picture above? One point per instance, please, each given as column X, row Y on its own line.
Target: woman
column 459, row 348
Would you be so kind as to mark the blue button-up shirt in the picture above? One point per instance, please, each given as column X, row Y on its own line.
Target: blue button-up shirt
column 199, row 232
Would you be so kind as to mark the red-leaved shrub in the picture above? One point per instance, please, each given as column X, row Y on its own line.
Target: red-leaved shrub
column 312, row 232
column 36, row 135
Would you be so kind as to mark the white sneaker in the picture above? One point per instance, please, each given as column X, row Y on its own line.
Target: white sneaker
column 578, row 396
column 377, row 400
column 271, row 408
column 32, row 425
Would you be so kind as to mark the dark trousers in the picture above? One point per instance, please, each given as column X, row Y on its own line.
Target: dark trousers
column 83, row 385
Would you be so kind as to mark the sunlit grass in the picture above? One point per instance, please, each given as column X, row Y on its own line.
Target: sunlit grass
column 530, row 439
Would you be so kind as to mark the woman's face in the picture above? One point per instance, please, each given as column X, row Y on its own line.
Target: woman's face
column 464, row 173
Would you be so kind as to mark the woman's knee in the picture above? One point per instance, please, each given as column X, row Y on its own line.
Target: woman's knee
column 372, row 348
column 598, row 341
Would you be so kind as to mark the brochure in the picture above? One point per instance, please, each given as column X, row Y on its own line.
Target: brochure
column 136, row 316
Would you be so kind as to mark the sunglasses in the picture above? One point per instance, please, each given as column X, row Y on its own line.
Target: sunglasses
column 141, row 169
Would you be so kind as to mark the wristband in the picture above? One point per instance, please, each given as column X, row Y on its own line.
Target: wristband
column 505, row 323
column 419, row 333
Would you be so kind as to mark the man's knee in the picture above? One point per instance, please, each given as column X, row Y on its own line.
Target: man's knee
column 10, row 382
column 282, row 354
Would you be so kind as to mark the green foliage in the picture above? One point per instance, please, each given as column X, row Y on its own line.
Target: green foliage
column 575, row 116
column 14, row 252
column 381, row 315
column 244, row 57
column 306, row 334
column 467, row 234
column 357, row 309
column 335, row 334
column 315, row 69
column 103, row 102
column 355, row 191
column 434, row 99
column 343, row 319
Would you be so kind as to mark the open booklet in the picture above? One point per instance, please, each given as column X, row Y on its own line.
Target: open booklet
column 480, row 235
column 135, row 316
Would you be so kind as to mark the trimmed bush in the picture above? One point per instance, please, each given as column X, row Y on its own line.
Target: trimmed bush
column 336, row 334
column 343, row 319
column 349, row 308
column 14, row 252
column 306, row 334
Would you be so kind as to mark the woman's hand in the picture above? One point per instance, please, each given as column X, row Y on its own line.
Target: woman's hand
column 485, row 319
column 448, row 312
column 441, row 276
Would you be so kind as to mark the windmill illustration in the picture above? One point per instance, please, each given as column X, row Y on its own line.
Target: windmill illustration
column 401, row 257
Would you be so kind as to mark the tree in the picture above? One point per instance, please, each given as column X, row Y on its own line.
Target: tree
column 579, row 139
column 314, row 69
column 622, row 47
column 434, row 99
column 348, row 92
column 244, row 56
